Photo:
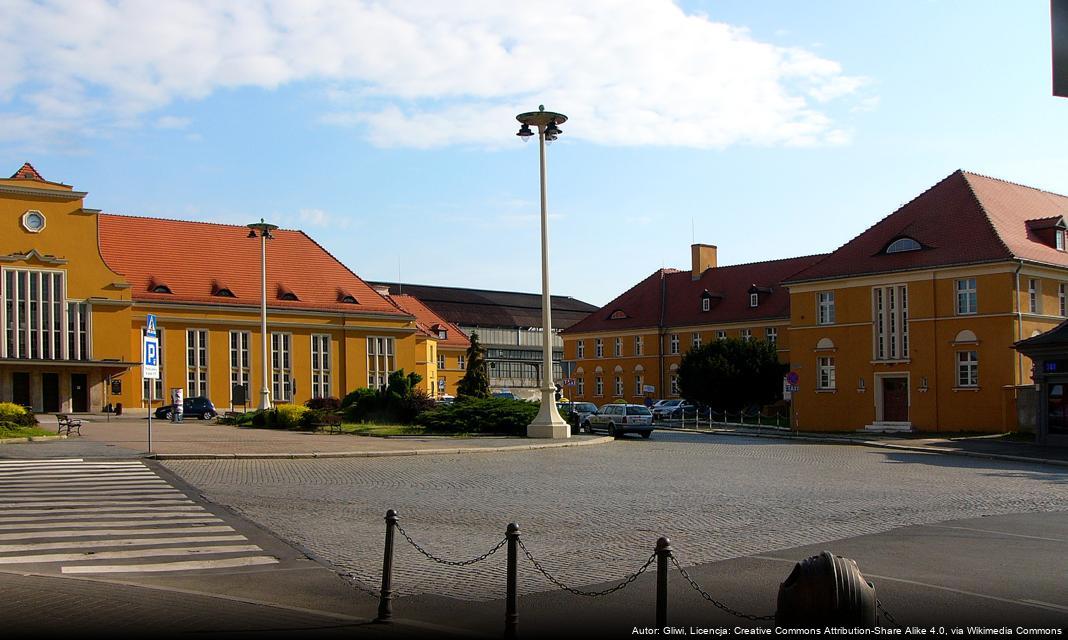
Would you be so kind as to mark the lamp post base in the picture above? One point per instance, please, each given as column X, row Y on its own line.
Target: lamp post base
column 548, row 423
column 265, row 400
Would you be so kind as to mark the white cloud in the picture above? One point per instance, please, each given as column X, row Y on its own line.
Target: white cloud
column 423, row 74
column 173, row 122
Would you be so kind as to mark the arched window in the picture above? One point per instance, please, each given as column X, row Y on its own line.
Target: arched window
column 903, row 244
column 965, row 336
column 825, row 344
column 161, row 288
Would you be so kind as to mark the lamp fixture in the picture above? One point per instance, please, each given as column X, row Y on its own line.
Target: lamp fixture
column 525, row 132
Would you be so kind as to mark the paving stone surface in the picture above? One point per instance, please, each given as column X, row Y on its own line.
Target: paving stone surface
column 593, row 514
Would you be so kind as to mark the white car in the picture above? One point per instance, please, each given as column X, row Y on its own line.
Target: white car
column 618, row 419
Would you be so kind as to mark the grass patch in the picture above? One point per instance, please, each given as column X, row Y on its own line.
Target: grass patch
column 14, row 431
column 380, row 430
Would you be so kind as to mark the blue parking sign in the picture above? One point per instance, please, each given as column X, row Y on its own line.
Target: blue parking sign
column 150, row 358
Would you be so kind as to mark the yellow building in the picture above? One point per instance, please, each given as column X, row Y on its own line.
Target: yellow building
column 446, row 345
column 631, row 348
column 909, row 326
column 77, row 286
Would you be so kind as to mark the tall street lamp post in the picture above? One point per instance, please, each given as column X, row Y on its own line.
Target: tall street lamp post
column 263, row 230
column 548, row 423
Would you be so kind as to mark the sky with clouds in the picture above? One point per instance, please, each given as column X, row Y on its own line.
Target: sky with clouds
column 386, row 129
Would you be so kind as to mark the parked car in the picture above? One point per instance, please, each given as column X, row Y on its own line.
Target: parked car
column 446, row 399
column 195, row 407
column 505, row 394
column 663, row 408
column 683, row 411
column 578, row 414
column 617, row 419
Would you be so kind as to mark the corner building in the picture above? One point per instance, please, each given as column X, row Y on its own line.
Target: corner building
column 910, row 325
column 77, row 285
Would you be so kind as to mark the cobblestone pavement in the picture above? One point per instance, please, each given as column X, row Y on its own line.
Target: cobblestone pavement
column 593, row 514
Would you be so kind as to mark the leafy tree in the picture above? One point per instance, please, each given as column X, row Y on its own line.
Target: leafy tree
column 475, row 383
column 731, row 374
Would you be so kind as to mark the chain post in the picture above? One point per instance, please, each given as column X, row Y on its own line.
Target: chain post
column 663, row 557
column 511, row 611
column 385, row 604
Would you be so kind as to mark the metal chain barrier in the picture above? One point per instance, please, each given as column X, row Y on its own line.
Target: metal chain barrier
column 884, row 612
column 704, row 594
column 451, row 563
column 579, row 592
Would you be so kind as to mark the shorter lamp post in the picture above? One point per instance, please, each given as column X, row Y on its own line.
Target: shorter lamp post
column 263, row 231
column 548, row 423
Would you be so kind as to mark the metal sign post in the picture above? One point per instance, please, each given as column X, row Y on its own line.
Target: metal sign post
column 150, row 366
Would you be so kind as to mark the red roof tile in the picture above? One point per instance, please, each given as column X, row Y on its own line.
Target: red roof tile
column 27, row 172
column 427, row 320
column 193, row 258
column 727, row 287
column 964, row 219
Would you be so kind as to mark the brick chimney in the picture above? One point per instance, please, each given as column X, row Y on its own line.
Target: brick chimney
column 703, row 257
column 382, row 289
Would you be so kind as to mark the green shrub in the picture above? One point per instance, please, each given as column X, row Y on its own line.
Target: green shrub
column 480, row 415
column 17, row 414
column 288, row 416
column 362, row 394
column 398, row 402
column 241, row 419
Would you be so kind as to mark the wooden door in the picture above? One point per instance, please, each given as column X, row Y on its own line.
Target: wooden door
column 79, row 392
column 895, row 399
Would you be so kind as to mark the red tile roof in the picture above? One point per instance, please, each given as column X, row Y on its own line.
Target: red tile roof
column 193, row 258
column 964, row 219
column 27, row 172
column 427, row 320
column 727, row 287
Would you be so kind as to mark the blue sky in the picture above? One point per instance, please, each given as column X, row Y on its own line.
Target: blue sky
column 386, row 130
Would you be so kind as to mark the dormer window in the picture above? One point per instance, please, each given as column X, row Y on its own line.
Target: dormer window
column 754, row 294
column 618, row 314
column 1049, row 231
column 706, row 304
column 223, row 292
column 754, row 299
column 347, row 299
column 161, row 288
column 1060, row 239
column 903, row 244
column 441, row 332
column 288, row 295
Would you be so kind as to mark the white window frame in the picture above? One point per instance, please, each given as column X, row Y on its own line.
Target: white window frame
column 441, row 361
column 825, row 313
column 771, row 335
column 381, row 360
column 461, row 362
column 1034, row 295
column 197, row 362
column 747, row 334
column 598, row 386
column 580, row 387
column 674, row 384
column 618, row 347
column 706, row 304
column 721, row 334
column 321, row 361
column 580, row 349
column 619, row 386
column 240, row 363
column 826, row 373
column 639, row 345
column 673, row 343
column 754, row 299
column 37, row 324
column 967, row 369
column 890, row 324
column 598, row 347
column 1062, row 298
column 281, row 366
column 1059, row 239
column 967, row 296
column 639, row 384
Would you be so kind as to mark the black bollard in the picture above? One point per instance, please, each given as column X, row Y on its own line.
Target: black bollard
column 826, row 590
column 511, row 602
column 385, row 603
column 663, row 558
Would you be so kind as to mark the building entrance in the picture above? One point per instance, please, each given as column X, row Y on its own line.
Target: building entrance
column 79, row 392
column 895, row 400
column 20, row 388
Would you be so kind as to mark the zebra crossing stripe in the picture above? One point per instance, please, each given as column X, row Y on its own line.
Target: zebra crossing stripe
column 6, row 463
column 173, row 566
column 39, row 535
column 137, row 553
column 79, row 508
column 5, row 508
column 119, row 542
column 106, row 523
column 31, row 520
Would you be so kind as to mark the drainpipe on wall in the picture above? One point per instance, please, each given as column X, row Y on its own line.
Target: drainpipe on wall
column 934, row 297
column 1019, row 327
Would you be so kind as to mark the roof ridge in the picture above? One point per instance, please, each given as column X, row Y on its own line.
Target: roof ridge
column 662, row 271
column 344, row 266
column 201, row 222
column 1015, row 184
column 443, row 286
column 756, row 262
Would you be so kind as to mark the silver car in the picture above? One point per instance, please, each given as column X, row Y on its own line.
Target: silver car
column 617, row 419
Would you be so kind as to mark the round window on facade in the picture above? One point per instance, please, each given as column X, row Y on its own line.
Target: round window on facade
column 33, row 221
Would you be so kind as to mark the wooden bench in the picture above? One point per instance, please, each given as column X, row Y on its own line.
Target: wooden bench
column 68, row 424
column 331, row 423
